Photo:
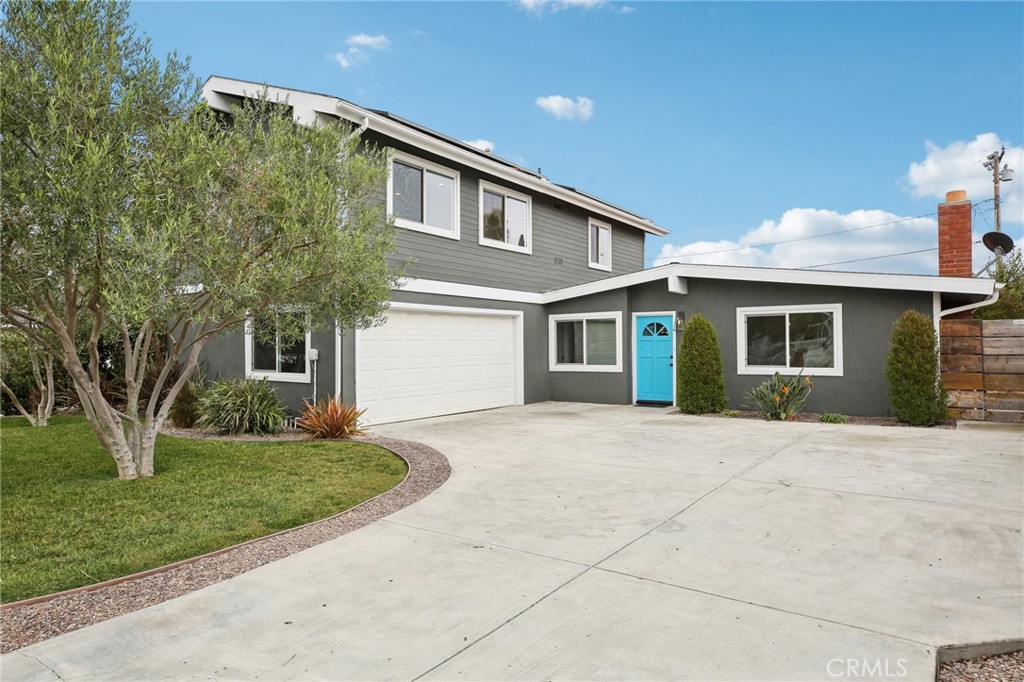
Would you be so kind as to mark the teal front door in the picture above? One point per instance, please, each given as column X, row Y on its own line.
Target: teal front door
column 654, row 358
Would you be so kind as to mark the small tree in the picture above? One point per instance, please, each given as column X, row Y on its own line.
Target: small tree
column 912, row 369
column 132, row 213
column 1009, row 271
column 28, row 372
column 700, row 381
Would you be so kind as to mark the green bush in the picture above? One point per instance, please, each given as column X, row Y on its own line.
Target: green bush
column 780, row 397
column 700, row 381
column 185, row 412
column 912, row 369
column 242, row 406
column 1010, row 305
column 832, row 418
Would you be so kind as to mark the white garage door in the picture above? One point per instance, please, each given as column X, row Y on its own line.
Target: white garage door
column 428, row 363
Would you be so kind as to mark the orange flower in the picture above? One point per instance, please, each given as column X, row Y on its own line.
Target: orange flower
column 785, row 389
column 778, row 398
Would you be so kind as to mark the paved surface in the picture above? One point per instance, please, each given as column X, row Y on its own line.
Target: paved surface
column 600, row 542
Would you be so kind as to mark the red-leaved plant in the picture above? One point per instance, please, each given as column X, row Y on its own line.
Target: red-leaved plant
column 330, row 419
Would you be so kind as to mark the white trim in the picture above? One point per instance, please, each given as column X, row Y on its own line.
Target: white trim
column 600, row 225
column 858, row 280
column 433, row 286
column 837, row 342
column 337, row 361
column 675, row 346
column 282, row 377
column 519, row 373
column 424, row 165
column 507, row 194
column 216, row 86
column 553, row 364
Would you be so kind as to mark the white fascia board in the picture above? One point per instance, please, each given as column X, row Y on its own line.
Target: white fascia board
column 216, row 85
column 432, row 286
column 857, row 280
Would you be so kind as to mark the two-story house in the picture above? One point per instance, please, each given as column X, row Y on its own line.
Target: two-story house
column 521, row 290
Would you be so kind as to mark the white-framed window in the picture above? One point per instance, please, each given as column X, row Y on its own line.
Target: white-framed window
column 585, row 342
column 790, row 340
column 599, row 245
column 506, row 219
column 423, row 196
column 272, row 358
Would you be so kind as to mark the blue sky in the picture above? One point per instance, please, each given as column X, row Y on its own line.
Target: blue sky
column 731, row 124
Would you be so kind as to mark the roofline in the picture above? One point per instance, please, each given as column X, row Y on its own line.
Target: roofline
column 677, row 274
column 831, row 278
column 412, row 134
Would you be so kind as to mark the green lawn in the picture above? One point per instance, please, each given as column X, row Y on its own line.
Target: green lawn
column 66, row 521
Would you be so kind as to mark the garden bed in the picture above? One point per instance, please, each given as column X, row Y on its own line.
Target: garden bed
column 816, row 417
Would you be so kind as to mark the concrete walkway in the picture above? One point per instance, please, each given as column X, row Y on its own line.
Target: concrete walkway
column 599, row 542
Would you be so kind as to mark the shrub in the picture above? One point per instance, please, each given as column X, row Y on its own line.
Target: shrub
column 832, row 418
column 700, row 381
column 912, row 369
column 242, row 406
column 185, row 412
column 16, row 371
column 781, row 397
column 330, row 419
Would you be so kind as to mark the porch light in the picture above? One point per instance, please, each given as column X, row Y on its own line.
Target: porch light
column 680, row 321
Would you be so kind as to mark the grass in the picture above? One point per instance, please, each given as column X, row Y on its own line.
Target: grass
column 67, row 520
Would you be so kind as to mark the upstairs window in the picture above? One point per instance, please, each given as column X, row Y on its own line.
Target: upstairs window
column 600, row 245
column 505, row 219
column 790, row 340
column 423, row 196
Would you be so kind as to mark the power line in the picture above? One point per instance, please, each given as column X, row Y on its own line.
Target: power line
column 858, row 260
column 813, row 236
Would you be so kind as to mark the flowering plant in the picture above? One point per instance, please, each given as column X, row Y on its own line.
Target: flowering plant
column 780, row 397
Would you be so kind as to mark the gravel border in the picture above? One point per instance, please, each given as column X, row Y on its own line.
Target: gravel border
column 814, row 417
column 34, row 620
column 1003, row 668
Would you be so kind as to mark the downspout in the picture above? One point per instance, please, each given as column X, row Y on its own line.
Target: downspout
column 971, row 306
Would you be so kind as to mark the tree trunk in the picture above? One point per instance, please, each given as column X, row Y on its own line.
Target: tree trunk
column 104, row 421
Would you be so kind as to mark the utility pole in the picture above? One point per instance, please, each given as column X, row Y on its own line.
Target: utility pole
column 1004, row 175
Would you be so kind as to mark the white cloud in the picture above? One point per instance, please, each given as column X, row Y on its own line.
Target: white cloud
column 541, row 6
column 626, row 9
column 580, row 109
column 859, row 239
column 378, row 42
column 958, row 165
column 359, row 47
column 481, row 144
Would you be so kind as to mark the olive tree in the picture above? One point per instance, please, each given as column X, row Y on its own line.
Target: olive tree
column 132, row 213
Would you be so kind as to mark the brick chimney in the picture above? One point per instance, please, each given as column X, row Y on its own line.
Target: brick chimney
column 955, row 235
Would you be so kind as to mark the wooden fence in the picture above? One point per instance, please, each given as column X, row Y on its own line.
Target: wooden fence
column 983, row 369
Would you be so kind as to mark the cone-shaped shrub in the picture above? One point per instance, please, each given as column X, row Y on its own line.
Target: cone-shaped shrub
column 700, row 382
column 912, row 369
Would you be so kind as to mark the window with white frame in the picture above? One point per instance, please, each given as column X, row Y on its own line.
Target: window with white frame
column 269, row 356
column 600, row 245
column 505, row 219
column 423, row 196
column 790, row 340
column 590, row 342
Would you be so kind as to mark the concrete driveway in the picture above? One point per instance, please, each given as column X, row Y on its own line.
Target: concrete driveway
column 603, row 542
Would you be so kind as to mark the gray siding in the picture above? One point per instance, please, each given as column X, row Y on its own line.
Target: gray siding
column 224, row 356
column 868, row 316
column 559, row 257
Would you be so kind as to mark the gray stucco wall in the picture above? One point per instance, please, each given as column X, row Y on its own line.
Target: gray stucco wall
column 868, row 315
column 560, row 242
column 596, row 387
column 224, row 356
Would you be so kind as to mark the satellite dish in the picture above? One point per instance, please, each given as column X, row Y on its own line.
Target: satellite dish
column 998, row 243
